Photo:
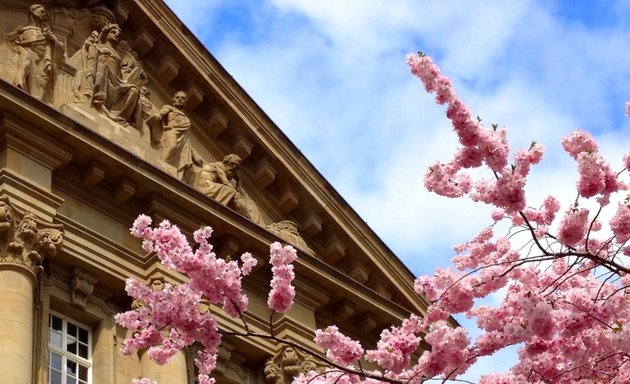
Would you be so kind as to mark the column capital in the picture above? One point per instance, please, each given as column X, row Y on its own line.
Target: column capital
column 26, row 240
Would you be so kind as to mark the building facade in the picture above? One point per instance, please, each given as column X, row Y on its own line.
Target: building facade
column 109, row 109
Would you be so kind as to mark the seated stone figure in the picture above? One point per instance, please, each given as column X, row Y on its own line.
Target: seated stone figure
column 220, row 182
column 107, row 77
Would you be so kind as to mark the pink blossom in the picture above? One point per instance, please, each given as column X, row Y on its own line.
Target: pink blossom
column 579, row 142
column 498, row 214
column 249, row 262
column 394, row 349
column 143, row 381
column 449, row 350
column 563, row 298
column 340, row 348
column 620, row 224
column 282, row 292
column 572, row 229
column 446, row 180
column 596, row 176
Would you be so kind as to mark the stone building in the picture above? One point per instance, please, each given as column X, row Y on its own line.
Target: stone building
column 109, row 109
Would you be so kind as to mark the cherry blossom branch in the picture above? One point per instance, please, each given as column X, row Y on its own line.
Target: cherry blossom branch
column 313, row 354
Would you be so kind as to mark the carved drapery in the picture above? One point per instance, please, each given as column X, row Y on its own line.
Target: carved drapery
column 24, row 239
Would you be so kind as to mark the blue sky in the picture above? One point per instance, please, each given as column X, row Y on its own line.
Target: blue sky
column 332, row 75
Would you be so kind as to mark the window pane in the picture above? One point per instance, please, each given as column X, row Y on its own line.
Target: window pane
column 54, row 338
column 83, row 350
column 83, row 373
column 72, row 346
column 55, row 361
column 71, row 381
column 55, row 377
column 56, row 323
column 72, row 329
column 71, row 368
column 83, row 335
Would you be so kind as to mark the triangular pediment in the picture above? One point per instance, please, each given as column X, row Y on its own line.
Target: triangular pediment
column 133, row 145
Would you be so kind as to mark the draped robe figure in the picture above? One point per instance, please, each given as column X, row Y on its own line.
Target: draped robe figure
column 105, row 78
column 170, row 130
column 37, row 52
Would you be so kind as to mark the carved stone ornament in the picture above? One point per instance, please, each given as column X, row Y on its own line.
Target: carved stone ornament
column 220, row 181
column 287, row 230
column 287, row 364
column 24, row 239
column 77, row 60
column 75, row 57
column 82, row 287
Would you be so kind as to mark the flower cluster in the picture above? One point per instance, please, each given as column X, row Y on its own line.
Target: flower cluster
column 282, row 292
column 479, row 146
column 143, row 381
column 166, row 317
column 340, row 348
column 394, row 348
column 619, row 224
column 596, row 175
column 573, row 226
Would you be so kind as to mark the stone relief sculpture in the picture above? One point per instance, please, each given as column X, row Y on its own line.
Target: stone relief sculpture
column 220, row 182
column 35, row 54
column 109, row 77
column 147, row 109
column 89, row 72
column 287, row 230
column 170, row 131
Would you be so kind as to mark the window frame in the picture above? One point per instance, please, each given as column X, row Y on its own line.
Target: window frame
column 67, row 355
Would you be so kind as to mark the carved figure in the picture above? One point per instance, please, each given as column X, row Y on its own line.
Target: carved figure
column 106, row 78
column 146, row 106
column 26, row 239
column 287, row 230
column 84, row 60
column 100, row 17
column 220, row 182
column 37, row 52
column 170, row 130
column 290, row 362
column 114, row 93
